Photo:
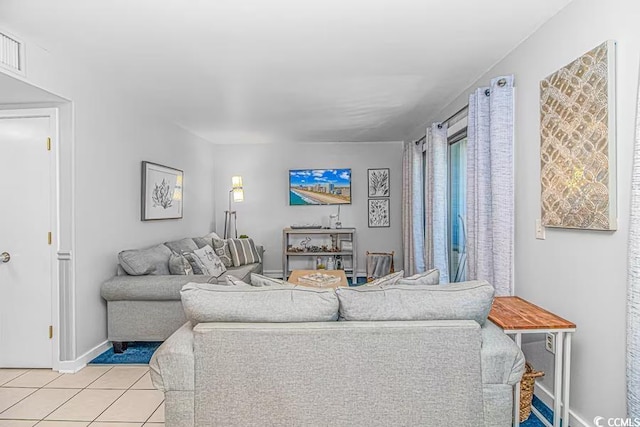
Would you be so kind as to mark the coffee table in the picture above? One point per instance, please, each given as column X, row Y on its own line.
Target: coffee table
column 296, row 274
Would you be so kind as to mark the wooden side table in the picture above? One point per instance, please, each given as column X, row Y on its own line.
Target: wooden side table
column 517, row 316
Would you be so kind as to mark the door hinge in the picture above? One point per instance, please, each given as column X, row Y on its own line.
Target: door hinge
column 48, row 144
column 49, row 238
column 50, row 331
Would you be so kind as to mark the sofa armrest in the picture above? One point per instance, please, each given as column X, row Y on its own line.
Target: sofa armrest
column 148, row 288
column 172, row 365
column 502, row 360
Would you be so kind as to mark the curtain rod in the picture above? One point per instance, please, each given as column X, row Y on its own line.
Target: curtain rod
column 424, row 137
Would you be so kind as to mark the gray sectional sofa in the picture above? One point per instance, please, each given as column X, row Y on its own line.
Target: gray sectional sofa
column 145, row 306
column 230, row 365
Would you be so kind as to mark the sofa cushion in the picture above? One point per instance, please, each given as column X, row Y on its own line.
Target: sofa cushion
column 153, row 260
column 178, row 265
column 183, row 245
column 430, row 277
column 243, row 251
column 218, row 303
column 148, row 288
column 451, row 301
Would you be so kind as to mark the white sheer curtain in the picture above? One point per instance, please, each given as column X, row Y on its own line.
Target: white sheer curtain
column 633, row 298
column 413, row 209
column 436, row 200
column 490, row 185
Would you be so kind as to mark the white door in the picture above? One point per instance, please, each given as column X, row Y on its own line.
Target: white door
column 25, row 221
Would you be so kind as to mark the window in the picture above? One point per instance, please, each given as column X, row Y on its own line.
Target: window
column 457, row 203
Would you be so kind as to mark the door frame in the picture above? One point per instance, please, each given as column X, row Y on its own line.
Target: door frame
column 54, row 220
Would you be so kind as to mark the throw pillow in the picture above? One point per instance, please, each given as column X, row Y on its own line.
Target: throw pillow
column 183, row 245
column 450, row 301
column 243, row 251
column 192, row 261
column 178, row 265
column 205, row 302
column 431, row 277
column 260, row 280
column 221, row 248
column 201, row 242
column 209, row 262
column 388, row 280
column 138, row 262
column 234, row 281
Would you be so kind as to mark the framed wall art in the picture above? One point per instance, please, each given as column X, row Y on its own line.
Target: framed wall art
column 379, row 213
column 578, row 143
column 378, row 182
column 161, row 192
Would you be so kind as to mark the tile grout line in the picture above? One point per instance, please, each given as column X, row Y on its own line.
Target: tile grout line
column 52, row 388
column 118, row 398
column 36, row 389
column 6, row 382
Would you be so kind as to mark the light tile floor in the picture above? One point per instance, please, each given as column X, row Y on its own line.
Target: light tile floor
column 107, row 396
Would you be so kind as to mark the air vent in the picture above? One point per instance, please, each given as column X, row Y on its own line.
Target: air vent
column 11, row 53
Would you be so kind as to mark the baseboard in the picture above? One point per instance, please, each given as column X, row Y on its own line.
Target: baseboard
column 546, row 396
column 73, row 366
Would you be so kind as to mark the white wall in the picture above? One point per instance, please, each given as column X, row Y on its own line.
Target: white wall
column 579, row 275
column 110, row 137
column 266, row 211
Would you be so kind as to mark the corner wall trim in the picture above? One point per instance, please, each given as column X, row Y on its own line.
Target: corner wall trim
column 73, row 366
column 546, row 396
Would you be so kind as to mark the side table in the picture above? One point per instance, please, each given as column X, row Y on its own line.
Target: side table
column 516, row 316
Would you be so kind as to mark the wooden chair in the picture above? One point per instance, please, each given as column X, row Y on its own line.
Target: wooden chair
column 379, row 264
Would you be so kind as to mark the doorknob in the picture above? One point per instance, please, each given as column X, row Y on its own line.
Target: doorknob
column 5, row 257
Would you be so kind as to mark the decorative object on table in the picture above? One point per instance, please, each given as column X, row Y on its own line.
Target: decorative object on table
column 319, row 187
column 161, row 192
column 578, row 143
column 237, row 194
column 319, row 264
column 379, row 264
column 378, row 182
column 338, row 263
column 318, row 279
column 379, row 213
column 527, row 384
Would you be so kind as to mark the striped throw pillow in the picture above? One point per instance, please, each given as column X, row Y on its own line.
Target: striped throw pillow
column 243, row 251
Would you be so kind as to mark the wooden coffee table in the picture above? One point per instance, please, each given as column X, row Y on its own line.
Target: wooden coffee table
column 295, row 274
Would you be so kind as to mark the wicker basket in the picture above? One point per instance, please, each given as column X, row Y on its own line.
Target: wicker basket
column 526, row 390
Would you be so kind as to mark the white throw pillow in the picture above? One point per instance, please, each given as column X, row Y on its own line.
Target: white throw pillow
column 209, row 262
column 430, row 277
column 388, row 280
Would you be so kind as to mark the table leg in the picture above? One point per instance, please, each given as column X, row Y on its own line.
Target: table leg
column 516, row 392
column 557, row 380
column 566, row 379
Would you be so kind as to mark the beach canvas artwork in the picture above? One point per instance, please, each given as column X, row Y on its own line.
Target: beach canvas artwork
column 319, row 187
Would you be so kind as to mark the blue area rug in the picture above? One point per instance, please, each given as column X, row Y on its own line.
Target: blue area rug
column 138, row 353
column 546, row 412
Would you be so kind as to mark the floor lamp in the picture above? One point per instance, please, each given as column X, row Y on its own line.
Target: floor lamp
column 237, row 194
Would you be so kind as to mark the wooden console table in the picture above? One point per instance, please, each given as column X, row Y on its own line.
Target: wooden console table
column 517, row 316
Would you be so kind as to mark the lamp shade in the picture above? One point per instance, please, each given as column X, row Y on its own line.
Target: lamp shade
column 236, row 181
column 238, row 194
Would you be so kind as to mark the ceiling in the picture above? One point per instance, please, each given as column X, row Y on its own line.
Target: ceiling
column 259, row 71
